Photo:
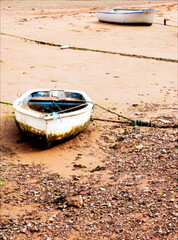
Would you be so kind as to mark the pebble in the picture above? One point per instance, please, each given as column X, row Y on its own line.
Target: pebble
column 75, row 201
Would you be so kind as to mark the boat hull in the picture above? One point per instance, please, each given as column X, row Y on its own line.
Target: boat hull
column 51, row 128
column 141, row 17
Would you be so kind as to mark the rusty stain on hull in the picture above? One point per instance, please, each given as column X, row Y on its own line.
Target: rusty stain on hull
column 47, row 139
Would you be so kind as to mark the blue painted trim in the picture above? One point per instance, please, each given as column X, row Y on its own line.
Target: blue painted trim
column 38, row 94
column 46, row 93
column 48, row 104
column 77, row 95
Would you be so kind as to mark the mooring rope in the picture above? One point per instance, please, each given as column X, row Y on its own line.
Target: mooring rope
column 66, row 110
column 94, row 50
column 135, row 122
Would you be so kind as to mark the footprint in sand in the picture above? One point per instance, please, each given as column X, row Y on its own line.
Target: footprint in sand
column 102, row 30
column 87, row 27
column 23, row 20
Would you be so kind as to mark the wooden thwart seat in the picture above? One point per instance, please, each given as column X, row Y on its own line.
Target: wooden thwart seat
column 52, row 99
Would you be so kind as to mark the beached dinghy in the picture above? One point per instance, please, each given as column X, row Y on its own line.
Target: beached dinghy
column 127, row 16
column 52, row 115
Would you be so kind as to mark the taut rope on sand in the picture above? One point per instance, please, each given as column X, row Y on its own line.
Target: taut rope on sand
column 93, row 50
column 135, row 122
column 5, row 103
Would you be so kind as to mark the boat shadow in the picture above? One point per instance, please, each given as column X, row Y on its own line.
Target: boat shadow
column 124, row 24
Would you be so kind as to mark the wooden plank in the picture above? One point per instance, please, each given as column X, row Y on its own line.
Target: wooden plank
column 41, row 98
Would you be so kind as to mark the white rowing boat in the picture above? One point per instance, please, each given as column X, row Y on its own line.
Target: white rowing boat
column 127, row 16
column 52, row 115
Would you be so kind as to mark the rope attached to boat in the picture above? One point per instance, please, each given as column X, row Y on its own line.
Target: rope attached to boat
column 56, row 116
column 135, row 122
column 66, row 110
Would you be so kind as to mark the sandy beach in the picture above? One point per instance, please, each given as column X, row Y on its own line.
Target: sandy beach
column 131, row 70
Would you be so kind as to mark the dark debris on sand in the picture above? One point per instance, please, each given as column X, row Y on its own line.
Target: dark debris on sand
column 137, row 202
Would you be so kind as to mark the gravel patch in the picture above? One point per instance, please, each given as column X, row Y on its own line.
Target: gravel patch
column 136, row 201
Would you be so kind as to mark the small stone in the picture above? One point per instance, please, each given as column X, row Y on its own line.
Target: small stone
column 163, row 120
column 51, row 219
column 168, row 116
column 75, row 201
column 29, row 225
column 139, row 146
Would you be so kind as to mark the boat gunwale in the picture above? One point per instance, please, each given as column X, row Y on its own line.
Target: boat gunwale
column 49, row 116
column 134, row 11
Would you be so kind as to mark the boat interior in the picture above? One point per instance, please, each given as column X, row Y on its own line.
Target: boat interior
column 123, row 11
column 56, row 101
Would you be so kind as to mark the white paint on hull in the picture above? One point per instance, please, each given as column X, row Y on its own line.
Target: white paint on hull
column 127, row 16
column 47, row 126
